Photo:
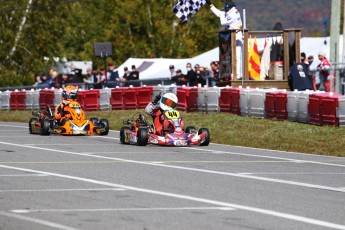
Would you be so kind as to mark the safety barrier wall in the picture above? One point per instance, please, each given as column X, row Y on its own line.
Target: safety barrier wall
column 5, row 100
column 89, row 99
column 46, row 98
column 187, row 99
column 318, row 108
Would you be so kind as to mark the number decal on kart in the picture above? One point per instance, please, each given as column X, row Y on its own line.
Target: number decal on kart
column 172, row 114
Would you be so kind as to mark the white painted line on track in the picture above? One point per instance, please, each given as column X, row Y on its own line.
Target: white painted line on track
column 63, row 190
column 264, row 156
column 294, row 183
column 220, row 152
column 15, row 126
column 21, row 175
column 191, row 198
column 122, row 209
column 12, row 131
column 37, row 221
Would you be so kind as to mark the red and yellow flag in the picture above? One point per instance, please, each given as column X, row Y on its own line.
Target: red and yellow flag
column 254, row 61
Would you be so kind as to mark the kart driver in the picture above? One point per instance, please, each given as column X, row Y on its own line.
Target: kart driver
column 156, row 110
column 69, row 93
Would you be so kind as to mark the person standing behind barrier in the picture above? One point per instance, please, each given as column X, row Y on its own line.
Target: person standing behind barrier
column 179, row 78
column 215, row 74
column 46, row 80
column 134, row 75
column 113, row 78
column 97, row 76
column 126, row 74
column 299, row 77
column 191, row 76
column 313, row 72
column 38, row 81
column 172, row 72
column 231, row 19
column 324, row 69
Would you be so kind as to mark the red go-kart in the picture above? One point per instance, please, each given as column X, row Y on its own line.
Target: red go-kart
column 141, row 132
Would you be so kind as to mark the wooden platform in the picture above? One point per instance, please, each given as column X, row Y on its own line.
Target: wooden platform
column 257, row 84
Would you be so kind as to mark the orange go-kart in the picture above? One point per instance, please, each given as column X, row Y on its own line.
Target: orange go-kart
column 73, row 123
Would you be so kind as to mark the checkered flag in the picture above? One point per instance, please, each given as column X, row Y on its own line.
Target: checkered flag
column 185, row 8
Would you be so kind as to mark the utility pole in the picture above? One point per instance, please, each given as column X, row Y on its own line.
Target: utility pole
column 334, row 38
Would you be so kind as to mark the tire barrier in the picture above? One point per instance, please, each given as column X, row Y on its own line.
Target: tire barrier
column 312, row 107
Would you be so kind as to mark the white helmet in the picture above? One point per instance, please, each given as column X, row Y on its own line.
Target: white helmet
column 168, row 101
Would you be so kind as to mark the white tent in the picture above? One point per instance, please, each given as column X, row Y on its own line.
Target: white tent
column 158, row 68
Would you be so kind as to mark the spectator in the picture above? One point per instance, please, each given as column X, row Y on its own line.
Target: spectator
column 126, row 75
column 231, row 19
column 304, row 58
column 77, row 76
column 215, row 74
column 324, row 69
column 191, row 76
column 46, row 81
column 134, row 75
column 172, row 71
column 203, row 75
column 310, row 59
column 38, row 81
column 113, row 78
column 65, row 79
column 89, row 79
column 98, row 78
column 313, row 73
column 299, row 78
column 55, row 79
column 179, row 78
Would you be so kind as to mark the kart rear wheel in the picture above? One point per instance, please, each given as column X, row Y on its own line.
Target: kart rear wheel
column 32, row 120
column 123, row 132
column 207, row 136
column 142, row 137
column 104, row 122
column 190, row 129
column 45, row 127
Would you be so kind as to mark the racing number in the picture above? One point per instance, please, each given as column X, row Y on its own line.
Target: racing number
column 74, row 105
column 172, row 114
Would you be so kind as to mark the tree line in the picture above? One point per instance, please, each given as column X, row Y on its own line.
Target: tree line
column 34, row 29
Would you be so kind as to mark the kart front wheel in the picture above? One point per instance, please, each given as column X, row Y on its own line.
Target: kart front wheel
column 105, row 123
column 123, row 138
column 207, row 136
column 142, row 137
column 45, row 127
column 31, row 121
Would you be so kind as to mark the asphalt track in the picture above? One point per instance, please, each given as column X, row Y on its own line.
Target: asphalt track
column 94, row 182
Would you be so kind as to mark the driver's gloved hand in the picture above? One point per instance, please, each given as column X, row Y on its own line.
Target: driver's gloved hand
column 156, row 100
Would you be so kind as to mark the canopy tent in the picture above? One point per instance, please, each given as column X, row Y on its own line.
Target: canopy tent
column 158, row 68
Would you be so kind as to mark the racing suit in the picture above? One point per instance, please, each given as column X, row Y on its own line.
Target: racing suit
column 60, row 113
column 155, row 112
